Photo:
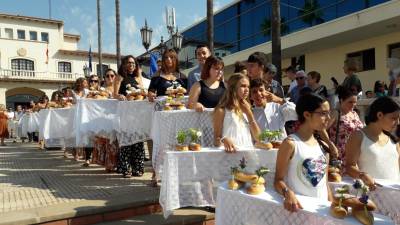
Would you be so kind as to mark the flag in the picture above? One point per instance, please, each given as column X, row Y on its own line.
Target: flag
column 90, row 59
column 153, row 64
column 47, row 53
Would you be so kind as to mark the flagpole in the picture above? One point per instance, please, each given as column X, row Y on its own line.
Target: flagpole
column 49, row 9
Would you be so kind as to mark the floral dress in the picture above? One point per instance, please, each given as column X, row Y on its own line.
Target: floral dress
column 347, row 125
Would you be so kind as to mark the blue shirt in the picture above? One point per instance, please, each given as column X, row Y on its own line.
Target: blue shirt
column 193, row 77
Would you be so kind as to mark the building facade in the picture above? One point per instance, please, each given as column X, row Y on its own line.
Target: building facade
column 316, row 35
column 37, row 58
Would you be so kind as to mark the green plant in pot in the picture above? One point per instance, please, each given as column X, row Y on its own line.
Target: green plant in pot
column 195, row 136
column 181, row 141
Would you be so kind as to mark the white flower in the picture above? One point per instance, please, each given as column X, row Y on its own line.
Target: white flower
column 198, row 133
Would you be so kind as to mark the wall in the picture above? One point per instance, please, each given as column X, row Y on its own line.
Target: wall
column 329, row 62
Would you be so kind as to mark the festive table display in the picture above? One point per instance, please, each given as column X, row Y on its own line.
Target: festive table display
column 269, row 139
column 165, row 126
column 386, row 196
column 191, row 178
column 134, row 94
column 238, row 207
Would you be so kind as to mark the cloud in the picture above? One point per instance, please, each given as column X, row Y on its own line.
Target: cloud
column 72, row 31
column 130, row 37
column 217, row 5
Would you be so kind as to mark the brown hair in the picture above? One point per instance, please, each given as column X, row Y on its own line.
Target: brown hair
column 175, row 63
column 210, row 61
column 230, row 100
column 351, row 64
column 79, row 83
column 122, row 68
column 315, row 75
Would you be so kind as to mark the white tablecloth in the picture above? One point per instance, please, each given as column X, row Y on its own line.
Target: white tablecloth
column 29, row 122
column 134, row 121
column 167, row 123
column 191, row 178
column 95, row 117
column 239, row 208
column 57, row 127
column 386, row 198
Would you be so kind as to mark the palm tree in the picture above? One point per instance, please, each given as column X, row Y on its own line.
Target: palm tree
column 276, row 38
column 210, row 25
column 265, row 26
column 117, row 26
column 311, row 13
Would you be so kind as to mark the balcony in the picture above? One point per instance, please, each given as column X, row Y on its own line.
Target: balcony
column 28, row 75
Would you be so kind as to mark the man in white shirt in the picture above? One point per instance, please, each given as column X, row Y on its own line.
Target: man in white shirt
column 270, row 111
column 202, row 53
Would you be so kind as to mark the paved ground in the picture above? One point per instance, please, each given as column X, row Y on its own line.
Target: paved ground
column 32, row 178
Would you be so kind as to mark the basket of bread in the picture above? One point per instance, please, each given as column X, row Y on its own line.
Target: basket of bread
column 174, row 104
column 98, row 94
column 135, row 94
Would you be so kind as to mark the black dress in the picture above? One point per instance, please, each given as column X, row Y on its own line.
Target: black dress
column 208, row 97
column 130, row 158
column 159, row 84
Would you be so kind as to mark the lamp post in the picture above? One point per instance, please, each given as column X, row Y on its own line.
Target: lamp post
column 146, row 33
column 177, row 39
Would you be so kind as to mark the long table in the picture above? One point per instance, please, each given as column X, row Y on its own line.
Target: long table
column 191, row 178
column 238, row 207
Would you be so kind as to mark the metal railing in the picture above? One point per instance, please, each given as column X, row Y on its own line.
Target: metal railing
column 37, row 76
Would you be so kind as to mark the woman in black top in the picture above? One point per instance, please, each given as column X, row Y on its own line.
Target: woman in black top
column 168, row 76
column 131, row 158
column 207, row 92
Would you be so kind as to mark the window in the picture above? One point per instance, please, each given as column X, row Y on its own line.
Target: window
column 105, row 67
column 9, row 33
column 365, row 59
column 394, row 50
column 33, row 35
column 298, row 62
column 22, row 64
column 45, row 36
column 21, row 34
column 64, row 67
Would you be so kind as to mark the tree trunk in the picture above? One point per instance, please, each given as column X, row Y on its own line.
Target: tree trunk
column 100, row 72
column 276, row 39
column 117, row 38
column 210, row 25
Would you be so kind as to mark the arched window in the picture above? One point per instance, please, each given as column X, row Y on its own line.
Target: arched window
column 64, row 67
column 22, row 64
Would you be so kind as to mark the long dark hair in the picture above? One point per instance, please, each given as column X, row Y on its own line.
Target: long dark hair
column 308, row 103
column 210, row 61
column 122, row 68
column 385, row 105
column 344, row 93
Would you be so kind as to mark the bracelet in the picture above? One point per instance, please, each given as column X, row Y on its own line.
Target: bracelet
column 222, row 140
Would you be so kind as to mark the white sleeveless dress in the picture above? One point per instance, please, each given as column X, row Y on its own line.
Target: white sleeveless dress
column 307, row 170
column 237, row 129
column 381, row 162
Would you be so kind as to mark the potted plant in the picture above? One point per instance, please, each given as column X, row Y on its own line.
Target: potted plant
column 181, row 138
column 268, row 139
column 232, row 183
column 258, row 187
column 338, row 210
column 194, row 139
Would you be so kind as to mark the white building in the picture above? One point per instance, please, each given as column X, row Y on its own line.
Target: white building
column 27, row 71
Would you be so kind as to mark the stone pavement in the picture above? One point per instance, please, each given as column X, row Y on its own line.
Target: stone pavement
column 35, row 179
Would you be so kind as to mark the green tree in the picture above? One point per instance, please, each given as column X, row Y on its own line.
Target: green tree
column 311, row 13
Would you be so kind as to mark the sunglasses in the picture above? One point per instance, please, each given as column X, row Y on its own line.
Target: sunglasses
column 94, row 81
column 299, row 78
column 110, row 75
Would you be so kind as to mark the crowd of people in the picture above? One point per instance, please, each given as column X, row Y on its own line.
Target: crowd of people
column 251, row 101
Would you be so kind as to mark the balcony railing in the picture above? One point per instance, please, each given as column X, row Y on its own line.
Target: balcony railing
column 37, row 76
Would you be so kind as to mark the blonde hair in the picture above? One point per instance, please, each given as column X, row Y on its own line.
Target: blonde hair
column 2, row 107
column 230, row 100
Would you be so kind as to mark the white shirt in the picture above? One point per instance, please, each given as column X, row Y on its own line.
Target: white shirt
column 237, row 129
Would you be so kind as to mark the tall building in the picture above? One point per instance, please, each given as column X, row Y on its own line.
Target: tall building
column 316, row 35
column 37, row 58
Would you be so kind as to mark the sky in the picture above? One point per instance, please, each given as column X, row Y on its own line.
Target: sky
column 80, row 17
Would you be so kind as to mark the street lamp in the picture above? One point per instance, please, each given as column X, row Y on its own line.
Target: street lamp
column 177, row 40
column 146, row 33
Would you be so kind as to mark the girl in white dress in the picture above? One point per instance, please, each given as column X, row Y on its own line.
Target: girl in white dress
column 301, row 166
column 234, row 123
column 373, row 153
